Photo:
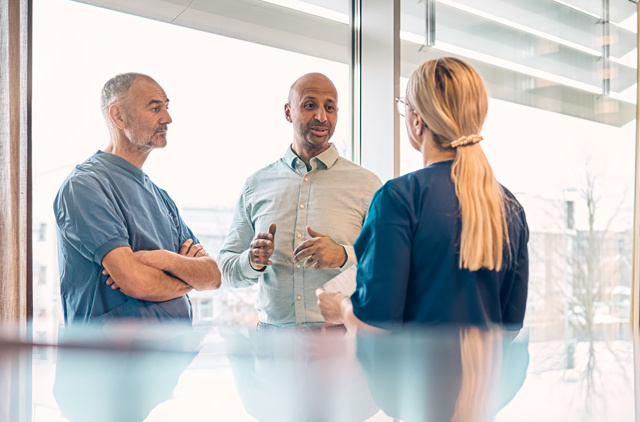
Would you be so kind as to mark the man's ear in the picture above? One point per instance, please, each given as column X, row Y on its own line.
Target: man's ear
column 117, row 115
column 287, row 113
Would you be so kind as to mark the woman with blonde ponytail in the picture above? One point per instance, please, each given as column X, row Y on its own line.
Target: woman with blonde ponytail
column 445, row 245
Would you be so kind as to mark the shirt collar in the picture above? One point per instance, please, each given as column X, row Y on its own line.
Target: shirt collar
column 123, row 164
column 327, row 157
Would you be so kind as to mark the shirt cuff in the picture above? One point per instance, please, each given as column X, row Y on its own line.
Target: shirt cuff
column 351, row 257
column 107, row 247
column 245, row 267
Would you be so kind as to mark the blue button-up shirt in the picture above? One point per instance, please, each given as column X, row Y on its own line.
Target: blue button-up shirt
column 332, row 198
column 106, row 203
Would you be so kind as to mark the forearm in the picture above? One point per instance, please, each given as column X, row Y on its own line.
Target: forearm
column 237, row 270
column 152, row 284
column 201, row 273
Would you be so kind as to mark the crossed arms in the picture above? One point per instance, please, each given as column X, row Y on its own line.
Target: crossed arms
column 161, row 275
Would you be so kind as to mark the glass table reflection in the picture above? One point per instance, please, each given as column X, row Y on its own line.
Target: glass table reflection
column 140, row 372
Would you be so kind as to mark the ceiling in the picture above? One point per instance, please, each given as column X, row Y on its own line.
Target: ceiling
column 540, row 53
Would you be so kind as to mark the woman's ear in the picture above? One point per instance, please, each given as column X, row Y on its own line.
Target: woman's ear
column 416, row 123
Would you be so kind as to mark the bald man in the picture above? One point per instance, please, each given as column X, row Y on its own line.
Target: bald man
column 297, row 219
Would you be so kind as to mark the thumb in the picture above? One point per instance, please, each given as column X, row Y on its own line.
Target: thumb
column 314, row 233
column 319, row 291
column 272, row 229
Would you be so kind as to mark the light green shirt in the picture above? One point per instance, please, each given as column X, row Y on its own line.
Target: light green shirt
column 332, row 198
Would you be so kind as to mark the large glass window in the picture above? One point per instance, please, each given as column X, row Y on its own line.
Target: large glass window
column 227, row 101
column 560, row 134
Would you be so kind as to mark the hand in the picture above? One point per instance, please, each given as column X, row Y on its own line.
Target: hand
column 261, row 248
column 330, row 304
column 320, row 251
column 110, row 281
column 191, row 250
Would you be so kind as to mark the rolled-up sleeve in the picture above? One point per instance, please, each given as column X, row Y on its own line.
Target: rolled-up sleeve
column 88, row 219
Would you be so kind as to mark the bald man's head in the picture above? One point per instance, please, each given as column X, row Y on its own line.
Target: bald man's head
column 313, row 110
column 311, row 80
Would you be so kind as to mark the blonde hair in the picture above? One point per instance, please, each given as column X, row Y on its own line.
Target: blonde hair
column 451, row 99
column 481, row 359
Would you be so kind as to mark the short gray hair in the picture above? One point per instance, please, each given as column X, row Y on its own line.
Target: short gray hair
column 115, row 90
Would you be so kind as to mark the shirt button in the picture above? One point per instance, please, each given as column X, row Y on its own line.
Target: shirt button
column 299, row 297
column 298, row 266
column 301, row 205
column 306, row 179
column 299, row 235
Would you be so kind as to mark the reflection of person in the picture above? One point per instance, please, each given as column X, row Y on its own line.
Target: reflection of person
column 296, row 376
column 123, row 249
column 317, row 202
column 446, row 244
column 116, row 374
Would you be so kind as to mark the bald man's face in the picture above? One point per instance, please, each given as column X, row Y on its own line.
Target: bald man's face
column 313, row 110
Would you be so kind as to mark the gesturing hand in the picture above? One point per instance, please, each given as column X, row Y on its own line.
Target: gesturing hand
column 262, row 247
column 320, row 251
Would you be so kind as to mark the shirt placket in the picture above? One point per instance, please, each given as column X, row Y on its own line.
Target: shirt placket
column 300, row 235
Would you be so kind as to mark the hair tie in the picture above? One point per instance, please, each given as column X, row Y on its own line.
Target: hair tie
column 466, row 140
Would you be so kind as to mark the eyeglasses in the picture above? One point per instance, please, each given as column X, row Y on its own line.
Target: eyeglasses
column 401, row 104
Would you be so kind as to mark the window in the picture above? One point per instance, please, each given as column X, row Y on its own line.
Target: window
column 227, row 99
column 570, row 217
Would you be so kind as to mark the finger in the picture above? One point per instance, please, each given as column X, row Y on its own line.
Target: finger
column 305, row 253
column 310, row 261
column 193, row 251
column 263, row 235
column 201, row 252
column 305, row 245
column 186, row 245
column 112, row 283
column 261, row 243
column 314, row 233
column 105, row 272
column 261, row 252
column 260, row 262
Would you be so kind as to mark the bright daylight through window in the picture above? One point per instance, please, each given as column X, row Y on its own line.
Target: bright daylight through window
column 560, row 134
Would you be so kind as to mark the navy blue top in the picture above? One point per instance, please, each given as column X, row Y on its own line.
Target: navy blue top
column 105, row 203
column 408, row 254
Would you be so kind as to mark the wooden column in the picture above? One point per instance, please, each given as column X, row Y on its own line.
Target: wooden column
column 15, row 206
column 15, row 161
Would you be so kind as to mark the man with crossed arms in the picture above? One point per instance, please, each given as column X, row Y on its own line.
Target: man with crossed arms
column 123, row 250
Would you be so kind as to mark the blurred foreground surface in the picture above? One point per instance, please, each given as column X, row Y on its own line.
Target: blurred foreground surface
column 138, row 372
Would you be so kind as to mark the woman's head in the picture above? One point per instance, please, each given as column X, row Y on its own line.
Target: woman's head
column 451, row 100
column 450, row 97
